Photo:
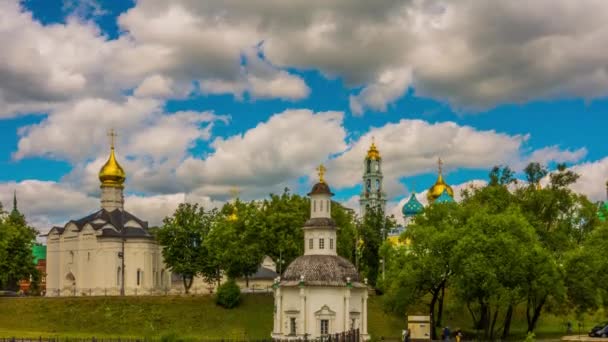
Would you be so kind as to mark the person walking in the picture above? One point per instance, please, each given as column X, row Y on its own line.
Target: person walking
column 446, row 334
column 458, row 335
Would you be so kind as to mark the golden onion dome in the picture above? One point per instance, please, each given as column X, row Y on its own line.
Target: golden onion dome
column 439, row 187
column 373, row 152
column 112, row 174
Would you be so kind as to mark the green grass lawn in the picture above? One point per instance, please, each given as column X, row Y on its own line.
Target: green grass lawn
column 198, row 317
column 187, row 317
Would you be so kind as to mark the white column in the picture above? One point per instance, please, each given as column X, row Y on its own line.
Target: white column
column 346, row 310
column 278, row 311
column 364, row 314
column 303, row 310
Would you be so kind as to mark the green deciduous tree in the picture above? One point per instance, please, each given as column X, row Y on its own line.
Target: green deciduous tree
column 16, row 258
column 425, row 268
column 183, row 236
column 236, row 239
column 283, row 217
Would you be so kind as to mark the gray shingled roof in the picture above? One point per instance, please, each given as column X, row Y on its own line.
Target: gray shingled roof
column 264, row 273
column 320, row 222
column 321, row 270
column 115, row 218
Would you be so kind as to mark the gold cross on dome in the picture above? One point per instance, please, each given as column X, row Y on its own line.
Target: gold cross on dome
column 112, row 134
column 234, row 192
column 321, row 170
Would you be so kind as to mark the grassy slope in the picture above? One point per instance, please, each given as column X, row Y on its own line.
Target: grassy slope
column 187, row 317
column 196, row 318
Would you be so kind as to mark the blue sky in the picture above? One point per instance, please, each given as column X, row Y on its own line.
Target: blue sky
column 210, row 96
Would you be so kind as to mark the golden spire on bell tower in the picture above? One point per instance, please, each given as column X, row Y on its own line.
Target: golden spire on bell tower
column 373, row 152
column 111, row 173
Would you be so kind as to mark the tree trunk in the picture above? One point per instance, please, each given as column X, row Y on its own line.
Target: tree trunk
column 493, row 325
column 440, row 308
column 508, row 318
column 536, row 315
column 484, row 319
column 246, row 281
column 187, row 282
column 435, row 294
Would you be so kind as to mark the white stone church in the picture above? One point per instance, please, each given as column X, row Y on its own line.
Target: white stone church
column 85, row 257
column 320, row 293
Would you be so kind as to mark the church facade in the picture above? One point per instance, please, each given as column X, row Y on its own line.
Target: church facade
column 109, row 252
column 320, row 293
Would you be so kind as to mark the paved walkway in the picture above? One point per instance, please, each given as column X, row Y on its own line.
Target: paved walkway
column 584, row 338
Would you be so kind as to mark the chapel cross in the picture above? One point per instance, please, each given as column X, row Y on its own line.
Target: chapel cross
column 112, row 134
column 321, row 169
column 234, row 192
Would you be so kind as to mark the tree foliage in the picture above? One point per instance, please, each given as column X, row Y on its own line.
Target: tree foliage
column 16, row 258
column 183, row 236
column 502, row 246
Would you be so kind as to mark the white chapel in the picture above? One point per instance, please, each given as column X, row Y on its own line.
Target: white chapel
column 109, row 252
column 320, row 293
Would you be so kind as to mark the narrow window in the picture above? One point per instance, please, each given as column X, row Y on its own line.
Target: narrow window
column 331, row 243
column 88, row 256
column 118, row 274
column 321, row 204
column 314, row 206
column 324, row 326
column 321, row 243
column 138, row 277
column 292, row 326
column 310, row 244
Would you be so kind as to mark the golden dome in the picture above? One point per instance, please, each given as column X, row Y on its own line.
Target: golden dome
column 112, row 174
column 440, row 185
column 373, row 152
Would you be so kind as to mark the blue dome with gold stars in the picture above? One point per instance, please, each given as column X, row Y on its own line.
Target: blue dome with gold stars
column 412, row 207
column 445, row 198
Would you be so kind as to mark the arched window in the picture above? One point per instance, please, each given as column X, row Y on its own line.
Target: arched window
column 369, row 185
column 369, row 165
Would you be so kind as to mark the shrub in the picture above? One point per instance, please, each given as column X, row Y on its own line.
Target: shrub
column 228, row 295
column 530, row 337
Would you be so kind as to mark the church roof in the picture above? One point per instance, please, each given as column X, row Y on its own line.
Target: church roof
column 412, row 206
column 264, row 273
column 320, row 222
column 111, row 224
column 445, row 197
column 320, row 270
column 321, row 188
